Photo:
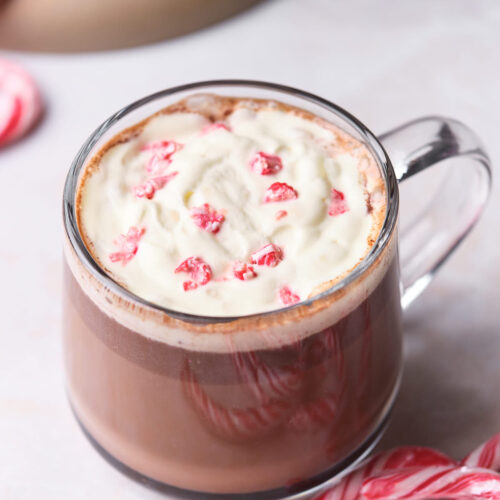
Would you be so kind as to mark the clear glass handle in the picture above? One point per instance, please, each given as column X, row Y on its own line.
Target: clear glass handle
column 452, row 206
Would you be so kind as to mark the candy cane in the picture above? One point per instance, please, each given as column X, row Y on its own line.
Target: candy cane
column 233, row 423
column 487, row 455
column 400, row 458
column 264, row 381
column 20, row 102
column 433, row 482
column 322, row 410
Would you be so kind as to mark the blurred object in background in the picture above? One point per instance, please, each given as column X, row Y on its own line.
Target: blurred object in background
column 20, row 102
column 69, row 25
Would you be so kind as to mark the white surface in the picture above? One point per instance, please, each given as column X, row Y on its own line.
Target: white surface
column 387, row 62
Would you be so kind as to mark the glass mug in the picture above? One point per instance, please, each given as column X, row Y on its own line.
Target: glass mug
column 268, row 405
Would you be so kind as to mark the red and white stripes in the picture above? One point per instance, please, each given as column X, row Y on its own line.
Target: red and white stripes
column 416, row 473
column 322, row 410
column 279, row 392
column 487, row 455
column 433, row 482
column 233, row 423
column 397, row 459
column 264, row 381
column 20, row 102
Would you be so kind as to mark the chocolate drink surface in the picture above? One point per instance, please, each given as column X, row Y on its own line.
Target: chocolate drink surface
column 232, row 208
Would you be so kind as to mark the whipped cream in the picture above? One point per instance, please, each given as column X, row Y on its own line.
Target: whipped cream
column 255, row 212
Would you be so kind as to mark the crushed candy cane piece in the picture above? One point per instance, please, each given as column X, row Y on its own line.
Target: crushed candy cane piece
column 213, row 127
column 280, row 191
column 128, row 244
column 280, row 214
column 163, row 148
column 207, row 218
column 287, row 297
column 149, row 188
column 198, row 270
column 269, row 255
column 243, row 271
column 338, row 204
column 265, row 164
column 162, row 152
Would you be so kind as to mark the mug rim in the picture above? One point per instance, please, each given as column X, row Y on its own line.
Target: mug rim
column 370, row 141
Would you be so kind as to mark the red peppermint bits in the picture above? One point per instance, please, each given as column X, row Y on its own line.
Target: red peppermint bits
column 160, row 159
column 265, row 164
column 162, row 148
column 280, row 191
column 213, row 127
column 128, row 245
column 199, row 272
column 269, row 255
column 207, row 219
column 280, row 214
column 146, row 190
column 149, row 188
column 162, row 152
column 243, row 271
column 338, row 205
column 287, row 297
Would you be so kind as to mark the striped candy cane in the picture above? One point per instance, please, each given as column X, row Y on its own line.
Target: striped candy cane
column 400, row 458
column 266, row 382
column 422, row 483
column 487, row 455
column 323, row 409
column 233, row 423
column 20, row 102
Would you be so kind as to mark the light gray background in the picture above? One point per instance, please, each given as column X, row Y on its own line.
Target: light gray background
column 387, row 61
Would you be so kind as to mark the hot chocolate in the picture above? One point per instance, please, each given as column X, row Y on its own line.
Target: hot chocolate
column 244, row 207
column 226, row 207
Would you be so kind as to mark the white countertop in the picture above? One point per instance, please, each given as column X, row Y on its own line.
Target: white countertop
column 387, row 62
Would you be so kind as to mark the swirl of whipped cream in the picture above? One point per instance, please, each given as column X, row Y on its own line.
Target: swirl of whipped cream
column 258, row 210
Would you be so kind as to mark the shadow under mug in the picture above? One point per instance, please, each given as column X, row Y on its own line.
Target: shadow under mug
column 269, row 405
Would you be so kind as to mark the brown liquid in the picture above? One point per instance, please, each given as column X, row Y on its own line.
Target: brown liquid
column 233, row 422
